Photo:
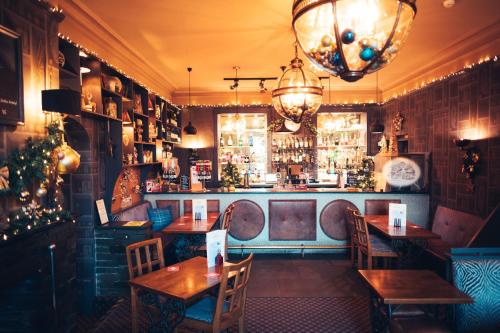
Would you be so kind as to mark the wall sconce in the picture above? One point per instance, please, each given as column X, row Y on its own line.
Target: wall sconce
column 470, row 160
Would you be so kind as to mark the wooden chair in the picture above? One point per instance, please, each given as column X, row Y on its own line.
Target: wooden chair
column 370, row 245
column 226, row 219
column 213, row 206
column 352, row 231
column 140, row 257
column 379, row 206
column 214, row 314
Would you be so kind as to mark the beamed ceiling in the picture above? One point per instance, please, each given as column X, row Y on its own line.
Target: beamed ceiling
column 211, row 36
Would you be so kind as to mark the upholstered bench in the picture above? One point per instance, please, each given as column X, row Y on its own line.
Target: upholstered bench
column 456, row 229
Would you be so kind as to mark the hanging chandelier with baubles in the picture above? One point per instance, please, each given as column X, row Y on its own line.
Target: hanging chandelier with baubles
column 351, row 38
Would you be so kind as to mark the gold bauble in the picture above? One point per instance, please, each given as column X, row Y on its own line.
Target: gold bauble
column 70, row 162
column 41, row 192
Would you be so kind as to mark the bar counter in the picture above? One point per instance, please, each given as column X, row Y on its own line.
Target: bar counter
column 290, row 220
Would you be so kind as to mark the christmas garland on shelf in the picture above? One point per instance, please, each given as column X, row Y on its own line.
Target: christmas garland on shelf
column 35, row 164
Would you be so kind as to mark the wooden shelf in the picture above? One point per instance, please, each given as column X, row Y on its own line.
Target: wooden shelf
column 112, row 93
column 142, row 115
column 99, row 116
column 141, row 164
column 144, row 143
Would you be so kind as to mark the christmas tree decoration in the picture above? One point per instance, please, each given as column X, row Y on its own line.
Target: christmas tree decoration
column 35, row 164
column 71, row 160
column 4, row 178
column 365, row 175
column 230, row 176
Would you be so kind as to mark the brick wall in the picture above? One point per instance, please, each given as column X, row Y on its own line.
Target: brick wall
column 468, row 106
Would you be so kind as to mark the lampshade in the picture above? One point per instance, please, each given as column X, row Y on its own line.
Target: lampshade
column 299, row 92
column 351, row 38
column 190, row 129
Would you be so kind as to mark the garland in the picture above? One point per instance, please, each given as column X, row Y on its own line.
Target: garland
column 35, row 164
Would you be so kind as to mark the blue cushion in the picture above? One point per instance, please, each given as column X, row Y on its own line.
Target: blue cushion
column 204, row 309
column 160, row 217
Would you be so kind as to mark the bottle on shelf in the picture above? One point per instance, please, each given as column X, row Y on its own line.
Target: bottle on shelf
column 221, row 141
column 230, row 141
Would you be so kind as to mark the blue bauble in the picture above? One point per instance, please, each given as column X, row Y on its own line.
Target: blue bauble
column 334, row 59
column 367, row 54
column 348, row 36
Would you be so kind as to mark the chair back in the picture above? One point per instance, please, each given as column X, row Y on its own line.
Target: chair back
column 174, row 205
column 362, row 233
column 144, row 257
column 476, row 272
column 213, row 206
column 351, row 223
column 226, row 220
column 232, row 293
column 379, row 206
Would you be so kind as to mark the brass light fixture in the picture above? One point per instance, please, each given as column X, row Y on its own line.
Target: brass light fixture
column 189, row 129
column 299, row 92
column 351, row 38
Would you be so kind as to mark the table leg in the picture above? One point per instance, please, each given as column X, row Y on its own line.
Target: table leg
column 133, row 309
column 380, row 313
column 408, row 250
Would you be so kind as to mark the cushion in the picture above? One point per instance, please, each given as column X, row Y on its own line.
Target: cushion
column 455, row 227
column 204, row 309
column 136, row 213
column 160, row 217
column 381, row 246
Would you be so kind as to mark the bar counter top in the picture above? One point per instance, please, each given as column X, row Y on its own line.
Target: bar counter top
column 259, row 190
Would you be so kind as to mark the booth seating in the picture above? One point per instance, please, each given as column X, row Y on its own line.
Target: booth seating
column 136, row 213
column 457, row 230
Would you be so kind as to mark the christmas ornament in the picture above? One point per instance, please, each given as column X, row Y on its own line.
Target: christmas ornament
column 348, row 36
column 41, row 192
column 70, row 162
column 367, row 54
column 4, row 178
column 60, row 155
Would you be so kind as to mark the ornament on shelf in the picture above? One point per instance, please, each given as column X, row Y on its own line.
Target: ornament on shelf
column 397, row 122
column 4, row 178
column 383, row 145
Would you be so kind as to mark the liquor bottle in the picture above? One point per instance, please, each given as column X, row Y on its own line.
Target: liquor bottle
column 250, row 141
column 297, row 143
column 221, row 141
column 274, row 142
column 219, row 260
column 230, row 141
column 240, row 141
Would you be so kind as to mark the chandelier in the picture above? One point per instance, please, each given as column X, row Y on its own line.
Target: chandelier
column 351, row 38
column 299, row 92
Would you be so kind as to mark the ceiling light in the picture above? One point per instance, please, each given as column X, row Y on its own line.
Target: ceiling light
column 189, row 129
column 299, row 92
column 448, row 3
column 352, row 38
column 84, row 70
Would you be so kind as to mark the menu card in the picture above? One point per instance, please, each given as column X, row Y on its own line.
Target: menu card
column 397, row 215
column 216, row 247
column 199, row 209
column 101, row 210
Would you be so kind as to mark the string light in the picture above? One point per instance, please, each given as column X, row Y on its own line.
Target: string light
column 95, row 55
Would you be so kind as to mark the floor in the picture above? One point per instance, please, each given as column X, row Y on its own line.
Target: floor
column 320, row 295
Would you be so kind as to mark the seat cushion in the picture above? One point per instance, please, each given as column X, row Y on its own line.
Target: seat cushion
column 160, row 217
column 204, row 309
column 380, row 245
column 439, row 248
column 418, row 324
column 455, row 227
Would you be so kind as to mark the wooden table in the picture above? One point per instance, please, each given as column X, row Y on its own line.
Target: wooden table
column 408, row 242
column 397, row 287
column 411, row 231
column 179, row 284
column 187, row 225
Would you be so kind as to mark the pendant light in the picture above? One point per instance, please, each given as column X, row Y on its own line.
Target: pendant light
column 377, row 127
column 299, row 92
column 351, row 38
column 189, row 129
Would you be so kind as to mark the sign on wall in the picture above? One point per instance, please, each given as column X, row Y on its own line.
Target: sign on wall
column 11, row 82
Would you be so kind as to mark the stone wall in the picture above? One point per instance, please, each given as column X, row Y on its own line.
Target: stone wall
column 463, row 106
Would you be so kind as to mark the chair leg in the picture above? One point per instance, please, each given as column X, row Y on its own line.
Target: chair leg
column 241, row 324
column 370, row 262
column 360, row 259
column 352, row 254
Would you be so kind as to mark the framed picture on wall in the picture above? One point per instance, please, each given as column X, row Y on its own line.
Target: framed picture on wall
column 11, row 74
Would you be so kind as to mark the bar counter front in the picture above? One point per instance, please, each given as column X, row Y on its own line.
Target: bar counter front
column 270, row 220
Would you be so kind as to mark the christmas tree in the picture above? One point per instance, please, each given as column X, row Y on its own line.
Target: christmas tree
column 230, row 175
column 365, row 172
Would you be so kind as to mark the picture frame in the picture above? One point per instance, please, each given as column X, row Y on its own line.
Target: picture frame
column 11, row 72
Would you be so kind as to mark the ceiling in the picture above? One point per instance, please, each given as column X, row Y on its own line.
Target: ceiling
column 212, row 36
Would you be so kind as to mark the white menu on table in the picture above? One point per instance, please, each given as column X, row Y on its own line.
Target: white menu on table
column 216, row 246
column 200, row 207
column 397, row 213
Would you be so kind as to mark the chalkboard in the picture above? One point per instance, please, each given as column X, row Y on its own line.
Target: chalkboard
column 11, row 82
column 184, row 182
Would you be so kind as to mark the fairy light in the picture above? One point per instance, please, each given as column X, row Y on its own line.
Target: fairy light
column 119, row 70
